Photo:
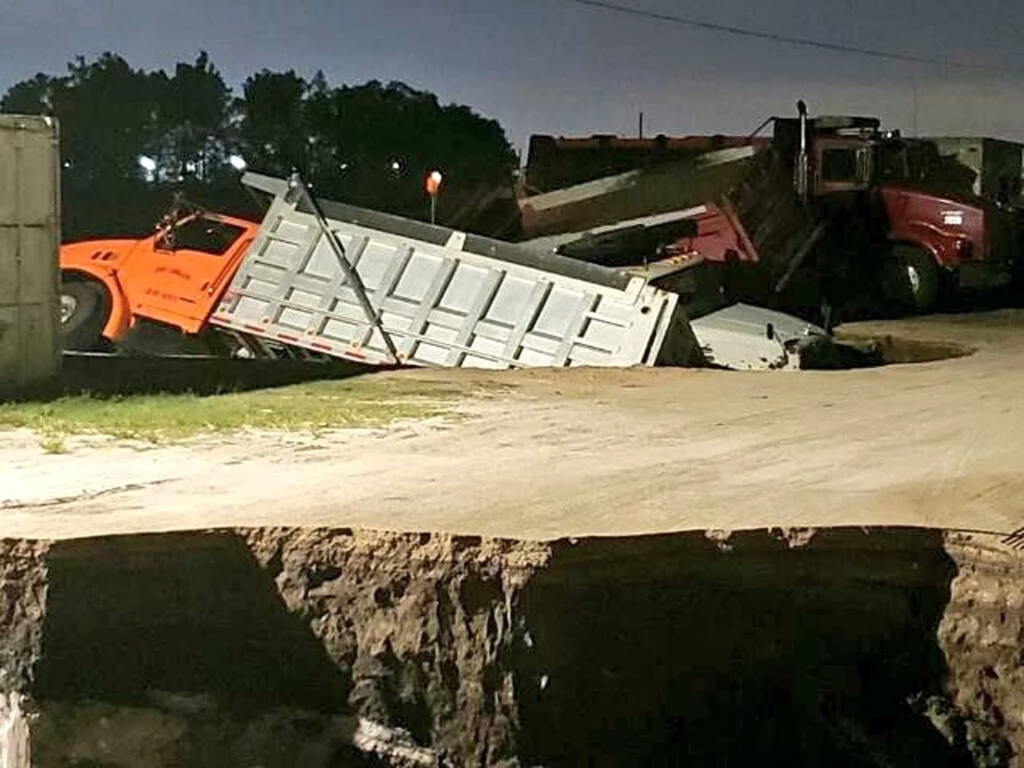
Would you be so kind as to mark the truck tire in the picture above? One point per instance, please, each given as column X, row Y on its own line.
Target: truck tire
column 922, row 278
column 84, row 307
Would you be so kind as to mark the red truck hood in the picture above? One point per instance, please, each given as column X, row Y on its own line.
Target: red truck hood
column 923, row 196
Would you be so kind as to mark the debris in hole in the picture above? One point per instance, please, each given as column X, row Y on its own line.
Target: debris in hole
column 720, row 537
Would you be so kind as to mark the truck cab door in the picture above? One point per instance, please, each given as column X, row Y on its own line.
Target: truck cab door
column 177, row 277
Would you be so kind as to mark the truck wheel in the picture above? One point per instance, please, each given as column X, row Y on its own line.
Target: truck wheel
column 83, row 313
column 922, row 278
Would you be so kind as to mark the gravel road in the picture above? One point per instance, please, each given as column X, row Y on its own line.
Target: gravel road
column 591, row 452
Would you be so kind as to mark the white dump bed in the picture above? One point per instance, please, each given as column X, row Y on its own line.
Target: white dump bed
column 387, row 290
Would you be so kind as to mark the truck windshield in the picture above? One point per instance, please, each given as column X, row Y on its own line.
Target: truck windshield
column 203, row 235
column 917, row 163
column 892, row 162
column 839, row 165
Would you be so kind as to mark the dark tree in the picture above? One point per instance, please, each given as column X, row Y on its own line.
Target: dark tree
column 274, row 134
column 108, row 113
column 194, row 121
column 31, row 97
column 129, row 137
column 375, row 145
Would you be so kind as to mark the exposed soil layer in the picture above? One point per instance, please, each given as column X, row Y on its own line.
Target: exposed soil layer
column 287, row 647
column 982, row 637
column 23, row 603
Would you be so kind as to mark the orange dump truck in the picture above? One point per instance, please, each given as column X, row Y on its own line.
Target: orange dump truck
column 174, row 278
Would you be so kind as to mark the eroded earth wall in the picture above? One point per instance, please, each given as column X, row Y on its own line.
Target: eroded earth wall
column 286, row 647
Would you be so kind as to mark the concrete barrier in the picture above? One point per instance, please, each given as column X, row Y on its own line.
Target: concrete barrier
column 29, row 259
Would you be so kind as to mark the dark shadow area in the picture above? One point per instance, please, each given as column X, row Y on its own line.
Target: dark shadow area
column 181, row 613
column 892, row 350
column 863, row 351
column 970, row 302
column 667, row 650
column 109, row 375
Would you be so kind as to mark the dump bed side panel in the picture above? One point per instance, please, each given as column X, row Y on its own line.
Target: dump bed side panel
column 438, row 301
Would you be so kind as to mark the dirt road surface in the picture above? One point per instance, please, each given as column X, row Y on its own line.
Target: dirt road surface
column 591, row 452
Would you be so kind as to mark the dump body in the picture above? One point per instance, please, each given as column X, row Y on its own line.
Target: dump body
column 626, row 179
column 428, row 295
column 997, row 165
column 29, row 241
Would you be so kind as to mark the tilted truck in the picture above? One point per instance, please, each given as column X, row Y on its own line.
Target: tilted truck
column 836, row 206
column 323, row 279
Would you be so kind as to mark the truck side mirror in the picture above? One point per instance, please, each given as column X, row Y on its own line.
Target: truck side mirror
column 165, row 240
column 864, row 166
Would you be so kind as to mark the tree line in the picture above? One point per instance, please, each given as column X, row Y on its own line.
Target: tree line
column 130, row 137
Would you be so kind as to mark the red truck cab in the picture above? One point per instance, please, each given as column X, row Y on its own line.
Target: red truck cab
column 940, row 233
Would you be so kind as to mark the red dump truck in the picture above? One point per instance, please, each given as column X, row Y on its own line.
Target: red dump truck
column 829, row 206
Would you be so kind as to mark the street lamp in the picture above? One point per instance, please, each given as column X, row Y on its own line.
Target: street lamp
column 148, row 164
column 433, row 189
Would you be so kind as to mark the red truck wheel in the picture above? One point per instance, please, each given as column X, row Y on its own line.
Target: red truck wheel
column 921, row 275
column 84, row 306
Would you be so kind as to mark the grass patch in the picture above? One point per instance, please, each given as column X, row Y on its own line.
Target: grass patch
column 53, row 444
column 364, row 402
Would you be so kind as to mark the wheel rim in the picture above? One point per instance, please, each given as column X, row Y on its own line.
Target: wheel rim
column 914, row 278
column 68, row 305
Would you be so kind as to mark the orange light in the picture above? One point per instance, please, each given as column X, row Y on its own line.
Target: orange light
column 434, row 183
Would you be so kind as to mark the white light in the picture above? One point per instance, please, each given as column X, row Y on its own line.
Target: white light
column 395, row 165
column 436, row 177
column 147, row 163
column 344, row 166
column 237, row 162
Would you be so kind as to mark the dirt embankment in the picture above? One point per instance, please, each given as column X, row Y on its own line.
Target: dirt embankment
column 283, row 647
column 982, row 638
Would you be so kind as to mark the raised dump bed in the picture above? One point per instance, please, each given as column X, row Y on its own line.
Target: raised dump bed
column 375, row 288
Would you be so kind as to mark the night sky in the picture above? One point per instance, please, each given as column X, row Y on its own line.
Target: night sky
column 550, row 66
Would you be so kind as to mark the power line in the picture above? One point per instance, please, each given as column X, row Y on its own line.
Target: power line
column 788, row 40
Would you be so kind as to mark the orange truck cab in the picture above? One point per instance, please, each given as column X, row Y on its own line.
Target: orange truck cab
column 173, row 278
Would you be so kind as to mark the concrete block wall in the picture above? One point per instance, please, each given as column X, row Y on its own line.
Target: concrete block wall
column 29, row 254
